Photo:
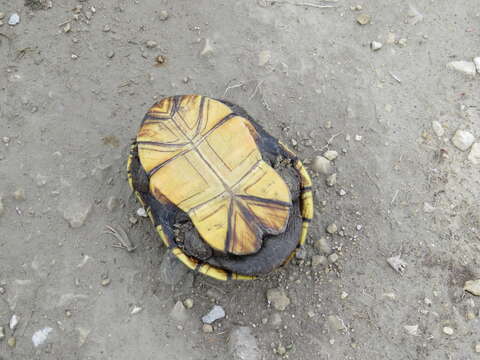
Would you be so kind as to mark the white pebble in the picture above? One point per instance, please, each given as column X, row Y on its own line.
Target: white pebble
column 14, row 19
column 216, row 313
column 411, row 329
column 376, row 45
column 474, row 156
column 13, row 322
column 358, row 137
column 447, row 330
column 463, row 140
column 136, row 309
column 141, row 212
column 40, row 336
column 330, row 155
column 428, row 208
column 476, row 61
column 465, row 67
column 438, row 128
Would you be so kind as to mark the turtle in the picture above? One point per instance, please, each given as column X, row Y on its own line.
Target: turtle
column 226, row 198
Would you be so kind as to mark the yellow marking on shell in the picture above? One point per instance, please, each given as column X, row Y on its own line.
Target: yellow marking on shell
column 304, row 232
column 184, row 258
column 307, row 205
column 305, row 178
column 213, row 272
column 242, row 277
column 163, row 235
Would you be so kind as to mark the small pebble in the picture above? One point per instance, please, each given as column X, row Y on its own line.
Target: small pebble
column 110, row 54
column 470, row 315
column 214, row 314
column 402, row 42
column 447, row 330
column 188, row 303
column 13, row 322
column 12, row 341
column 477, row 348
column 2, row 15
column 74, row 56
column 163, row 15
column 151, row 44
column 463, row 140
column 179, row 312
column 473, row 287
column 2, row 290
column 331, row 180
column 2, row 209
column 397, row 264
column 278, row 299
column 342, row 192
column 141, row 212
column 133, row 220
column 359, row 227
column 107, row 28
column 343, row 295
column 332, row 228
column 476, row 61
column 14, row 19
column 336, row 323
column 207, row 48
column 333, row 258
column 106, row 282
column 438, row 128
column 330, row 155
column 280, row 350
column 207, row 328
column 67, row 28
column 160, row 59
column 466, row 67
column 376, row 45
column 264, row 57
column 363, row 19
column 411, row 329
column 358, row 137
column 428, row 208
column 19, row 194
column 321, row 165
column 322, row 245
column 76, row 213
column 136, row 309
column 318, row 260
column 300, row 254
column 2, row 333
column 474, row 156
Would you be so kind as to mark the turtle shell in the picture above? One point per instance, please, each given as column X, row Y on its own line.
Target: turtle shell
column 208, row 161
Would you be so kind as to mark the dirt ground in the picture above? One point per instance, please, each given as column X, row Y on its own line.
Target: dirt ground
column 74, row 85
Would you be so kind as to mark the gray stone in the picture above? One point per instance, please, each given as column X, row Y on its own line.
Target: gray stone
column 463, row 139
column 333, row 258
column 336, row 323
column 179, row 313
column 213, row 315
column 318, row 260
column 278, row 299
column 151, row 44
column 112, row 203
column 464, row 67
column 276, row 320
column 332, row 228
column 330, row 155
column 322, row 245
column 172, row 270
column 242, row 345
column 428, row 208
column 163, row 15
column 331, row 180
column 474, row 156
column 75, row 212
column 473, row 287
column 207, row 328
column 397, row 264
column 321, row 165
column 19, row 194
column 301, row 253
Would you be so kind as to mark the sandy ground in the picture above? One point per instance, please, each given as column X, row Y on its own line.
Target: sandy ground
column 72, row 97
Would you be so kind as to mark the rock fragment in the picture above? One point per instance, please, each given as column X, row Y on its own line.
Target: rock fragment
column 172, row 271
column 275, row 320
column 12, row 341
column 13, row 322
column 363, row 19
column 14, row 19
column 40, row 336
column 476, row 61
column 179, row 313
column 321, row 165
column 2, row 333
column 19, row 194
column 75, row 212
column 438, row 128
column 207, row 328
column 242, row 345
column 264, row 57
column 188, row 303
column 332, row 228
column 463, row 139
column 397, row 264
column 376, row 45
column 214, row 314
column 331, row 180
column 447, row 330
column 150, row 44
column 336, row 323
column 322, row 245
column 163, row 15
column 141, row 212
column 473, row 157
column 112, row 203
column 411, row 329
column 2, row 207
column 465, row 67
column 318, row 260
column 473, row 287
column 278, row 299
column 330, row 155
column 333, row 258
